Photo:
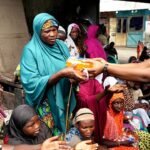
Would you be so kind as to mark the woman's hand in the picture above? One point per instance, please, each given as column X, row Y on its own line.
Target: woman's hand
column 117, row 88
column 71, row 73
column 86, row 145
column 54, row 144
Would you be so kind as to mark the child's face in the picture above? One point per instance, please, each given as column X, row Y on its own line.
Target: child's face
column 86, row 128
column 118, row 105
column 32, row 127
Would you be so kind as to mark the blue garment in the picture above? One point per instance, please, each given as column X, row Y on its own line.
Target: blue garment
column 38, row 63
column 73, row 131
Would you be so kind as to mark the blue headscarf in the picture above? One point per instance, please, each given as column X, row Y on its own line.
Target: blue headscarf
column 38, row 63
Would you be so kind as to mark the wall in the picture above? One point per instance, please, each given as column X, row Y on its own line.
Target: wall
column 13, row 34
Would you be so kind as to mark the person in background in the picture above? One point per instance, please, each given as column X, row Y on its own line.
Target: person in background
column 134, row 123
column 135, row 90
column 145, row 105
column 145, row 54
column 112, row 55
column 140, row 47
column 102, row 35
column 132, row 59
column 61, row 33
column 94, row 48
column 143, row 115
column 73, row 40
column 44, row 73
column 83, row 127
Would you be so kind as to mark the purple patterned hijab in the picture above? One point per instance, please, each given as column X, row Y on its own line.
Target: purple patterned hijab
column 94, row 47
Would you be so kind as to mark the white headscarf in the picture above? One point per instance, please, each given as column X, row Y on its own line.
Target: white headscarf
column 70, row 43
column 143, row 115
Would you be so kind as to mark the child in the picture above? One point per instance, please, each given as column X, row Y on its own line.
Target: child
column 84, row 127
column 26, row 128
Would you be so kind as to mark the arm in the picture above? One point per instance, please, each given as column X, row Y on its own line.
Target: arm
column 136, row 71
column 21, row 147
column 49, row 144
column 110, row 143
column 68, row 72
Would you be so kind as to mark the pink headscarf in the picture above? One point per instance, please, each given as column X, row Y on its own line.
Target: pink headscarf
column 94, row 47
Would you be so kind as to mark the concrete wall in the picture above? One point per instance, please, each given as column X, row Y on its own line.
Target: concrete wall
column 13, row 34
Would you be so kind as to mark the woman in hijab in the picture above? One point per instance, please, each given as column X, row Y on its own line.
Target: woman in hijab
column 114, row 137
column 26, row 128
column 43, row 71
column 74, row 41
column 93, row 46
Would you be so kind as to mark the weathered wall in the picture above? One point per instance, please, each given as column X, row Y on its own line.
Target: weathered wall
column 13, row 34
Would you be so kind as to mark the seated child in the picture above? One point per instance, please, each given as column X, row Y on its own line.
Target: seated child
column 25, row 127
column 83, row 127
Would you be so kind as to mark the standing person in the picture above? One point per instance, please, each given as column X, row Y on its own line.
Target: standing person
column 145, row 54
column 61, row 33
column 43, row 71
column 93, row 46
column 112, row 55
column 140, row 47
column 73, row 40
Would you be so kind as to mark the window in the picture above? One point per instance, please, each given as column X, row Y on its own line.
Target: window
column 136, row 24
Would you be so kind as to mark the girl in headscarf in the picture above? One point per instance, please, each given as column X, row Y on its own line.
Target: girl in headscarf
column 114, row 137
column 93, row 46
column 73, row 40
column 26, row 128
column 43, row 72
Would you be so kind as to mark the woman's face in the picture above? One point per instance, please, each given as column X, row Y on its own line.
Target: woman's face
column 49, row 35
column 86, row 128
column 118, row 105
column 74, row 33
column 32, row 127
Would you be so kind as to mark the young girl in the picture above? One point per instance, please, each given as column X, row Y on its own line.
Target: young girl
column 26, row 128
column 114, row 137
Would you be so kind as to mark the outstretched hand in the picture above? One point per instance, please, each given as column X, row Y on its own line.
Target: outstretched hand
column 76, row 75
column 86, row 145
column 54, row 144
column 117, row 88
column 97, row 68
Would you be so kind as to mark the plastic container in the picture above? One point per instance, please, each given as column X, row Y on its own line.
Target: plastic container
column 78, row 64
